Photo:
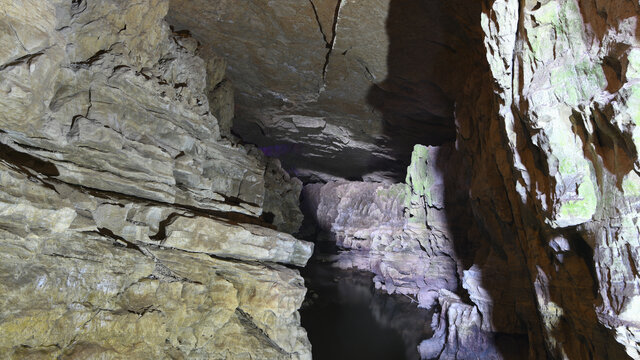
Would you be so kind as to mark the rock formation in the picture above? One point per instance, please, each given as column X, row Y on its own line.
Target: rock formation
column 541, row 95
column 129, row 226
column 402, row 233
column 399, row 232
column 546, row 151
column 134, row 223
column 337, row 84
column 560, row 148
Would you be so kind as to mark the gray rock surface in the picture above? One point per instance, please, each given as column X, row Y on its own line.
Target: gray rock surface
column 542, row 96
column 129, row 227
column 395, row 231
column 117, row 153
column 338, row 82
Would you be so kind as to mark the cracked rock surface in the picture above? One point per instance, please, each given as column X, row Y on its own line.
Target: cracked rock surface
column 129, row 221
column 332, row 86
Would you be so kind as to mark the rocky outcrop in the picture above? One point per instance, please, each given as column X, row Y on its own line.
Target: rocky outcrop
column 129, row 227
column 405, row 234
column 563, row 153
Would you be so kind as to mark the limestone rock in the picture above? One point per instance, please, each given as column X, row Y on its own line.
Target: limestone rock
column 347, row 64
column 242, row 241
column 128, row 227
column 281, row 200
column 383, row 229
column 160, row 142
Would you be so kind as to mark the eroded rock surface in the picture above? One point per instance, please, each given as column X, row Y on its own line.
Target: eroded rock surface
column 129, row 227
column 542, row 95
column 119, row 165
column 404, row 235
column 548, row 147
column 563, row 151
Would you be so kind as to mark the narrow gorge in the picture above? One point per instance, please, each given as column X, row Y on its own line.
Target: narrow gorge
column 326, row 179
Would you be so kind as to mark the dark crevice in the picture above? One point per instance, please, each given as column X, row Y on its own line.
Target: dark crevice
column 331, row 44
column 267, row 217
column 85, row 64
column 27, row 59
column 143, row 311
column 128, row 244
column 72, row 257
column 324, row 36
column 162, row 227
column 27, row 164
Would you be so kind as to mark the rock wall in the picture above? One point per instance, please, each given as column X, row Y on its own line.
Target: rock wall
column 395, row 231
column 560, row 144
column 408, row 235
column 129, row 227
column 547, row 152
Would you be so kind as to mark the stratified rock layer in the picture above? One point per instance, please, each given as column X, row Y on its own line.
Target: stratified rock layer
column 128, row 226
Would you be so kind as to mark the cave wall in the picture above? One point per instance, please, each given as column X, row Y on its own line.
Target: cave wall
column 560, row 146
column 130, row 223
column 133, row 223
column 546, row 153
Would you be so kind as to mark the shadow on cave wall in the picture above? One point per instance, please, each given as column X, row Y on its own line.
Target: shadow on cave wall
column 438, row 74
column 413, row 103
column 435, row 47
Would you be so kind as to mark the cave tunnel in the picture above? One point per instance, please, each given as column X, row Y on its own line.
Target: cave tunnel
column 326, row 179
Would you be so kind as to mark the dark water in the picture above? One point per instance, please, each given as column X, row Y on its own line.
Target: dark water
column 346, row 318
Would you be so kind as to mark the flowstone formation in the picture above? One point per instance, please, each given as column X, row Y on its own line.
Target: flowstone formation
column 130, row 223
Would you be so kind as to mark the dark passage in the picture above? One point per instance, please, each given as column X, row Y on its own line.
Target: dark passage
column 347, row 318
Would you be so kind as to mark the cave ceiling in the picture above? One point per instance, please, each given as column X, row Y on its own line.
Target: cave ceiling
column 339, row 88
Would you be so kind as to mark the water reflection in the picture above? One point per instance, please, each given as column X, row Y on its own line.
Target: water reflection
column 346, row 318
